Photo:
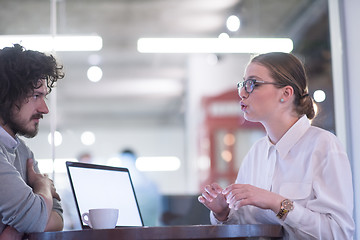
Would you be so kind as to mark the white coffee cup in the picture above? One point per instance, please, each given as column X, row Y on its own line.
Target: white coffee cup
column 101, row 218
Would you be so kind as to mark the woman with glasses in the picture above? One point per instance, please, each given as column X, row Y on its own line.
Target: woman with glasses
column 298, row 175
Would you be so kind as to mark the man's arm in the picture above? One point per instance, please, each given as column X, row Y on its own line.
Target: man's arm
column 41, row 185
column 55, row 223
column 44, row 187
column 10, row 233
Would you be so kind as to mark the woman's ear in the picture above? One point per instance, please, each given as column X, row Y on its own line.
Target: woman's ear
column 287, row 93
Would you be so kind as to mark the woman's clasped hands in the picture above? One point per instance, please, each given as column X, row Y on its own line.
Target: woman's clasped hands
column 220, row 200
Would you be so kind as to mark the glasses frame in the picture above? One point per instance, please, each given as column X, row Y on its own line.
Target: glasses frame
column 242, row 84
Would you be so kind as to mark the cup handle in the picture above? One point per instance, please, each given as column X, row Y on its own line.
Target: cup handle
column 86, row 219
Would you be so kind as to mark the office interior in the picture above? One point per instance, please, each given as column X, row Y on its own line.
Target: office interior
column 179, row 112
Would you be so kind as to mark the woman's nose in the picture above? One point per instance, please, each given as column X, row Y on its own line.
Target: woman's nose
column 243, row 93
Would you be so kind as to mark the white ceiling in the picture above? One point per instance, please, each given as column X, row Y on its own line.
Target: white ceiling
column 128, row 92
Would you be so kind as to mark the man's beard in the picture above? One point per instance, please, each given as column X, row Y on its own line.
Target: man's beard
column 19, row 129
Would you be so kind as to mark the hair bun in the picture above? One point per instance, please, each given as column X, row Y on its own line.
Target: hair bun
column 305, row 95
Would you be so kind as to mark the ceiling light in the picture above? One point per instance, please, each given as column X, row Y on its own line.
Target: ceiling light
column 233, row 23
column 214, row 45
column 224, row 35
column 319, row 96
column 94, row 73
column 88, row 138
column 57, row 43
column 57, row 138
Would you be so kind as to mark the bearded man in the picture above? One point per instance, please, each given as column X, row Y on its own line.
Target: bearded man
column 28, row 199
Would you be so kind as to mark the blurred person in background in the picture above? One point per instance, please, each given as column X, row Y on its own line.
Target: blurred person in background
column 28, row 199
column 147, row 193
column 298, row 175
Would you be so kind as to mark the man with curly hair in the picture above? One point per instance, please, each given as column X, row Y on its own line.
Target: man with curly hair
column 28, row 199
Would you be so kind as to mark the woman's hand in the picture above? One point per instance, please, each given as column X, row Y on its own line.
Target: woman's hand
column 213, row 198
column 238, row 195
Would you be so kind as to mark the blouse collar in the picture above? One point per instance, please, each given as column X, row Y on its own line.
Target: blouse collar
column 292, row 136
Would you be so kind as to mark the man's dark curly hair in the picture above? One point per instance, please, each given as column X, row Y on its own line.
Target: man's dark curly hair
column 20, row 72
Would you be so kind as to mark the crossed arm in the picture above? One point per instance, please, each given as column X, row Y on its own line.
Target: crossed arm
column 43, row 186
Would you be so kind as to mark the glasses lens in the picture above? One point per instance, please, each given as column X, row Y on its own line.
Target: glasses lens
column 249, row 85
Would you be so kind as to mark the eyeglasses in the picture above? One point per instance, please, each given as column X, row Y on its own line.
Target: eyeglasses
column 250, row 85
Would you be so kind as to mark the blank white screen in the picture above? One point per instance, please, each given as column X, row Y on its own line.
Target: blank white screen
column 100, row 188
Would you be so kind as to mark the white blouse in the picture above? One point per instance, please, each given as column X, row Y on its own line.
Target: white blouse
column 310, row 167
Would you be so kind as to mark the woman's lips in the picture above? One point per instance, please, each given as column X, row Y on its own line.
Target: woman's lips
column 243, row 106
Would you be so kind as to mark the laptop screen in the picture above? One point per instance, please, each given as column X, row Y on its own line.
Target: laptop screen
column 99, row 186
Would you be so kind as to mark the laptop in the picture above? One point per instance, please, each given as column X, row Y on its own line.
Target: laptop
column 100, row 186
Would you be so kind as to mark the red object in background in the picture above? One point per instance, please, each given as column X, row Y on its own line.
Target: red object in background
column 221, row 113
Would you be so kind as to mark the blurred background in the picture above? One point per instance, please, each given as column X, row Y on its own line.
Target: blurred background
column 178, row 112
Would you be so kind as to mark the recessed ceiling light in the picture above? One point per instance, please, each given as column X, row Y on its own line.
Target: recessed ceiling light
column 94, row 73
column 319, row 96
column 233, row 23
column 88, row 138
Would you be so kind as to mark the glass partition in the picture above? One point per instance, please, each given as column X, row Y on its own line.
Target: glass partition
column 117, row 98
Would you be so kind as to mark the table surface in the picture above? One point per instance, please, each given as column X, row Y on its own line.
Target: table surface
column 168, row 232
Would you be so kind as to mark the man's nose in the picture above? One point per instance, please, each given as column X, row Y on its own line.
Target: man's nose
column 43, row 107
